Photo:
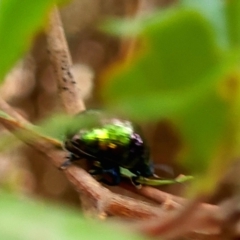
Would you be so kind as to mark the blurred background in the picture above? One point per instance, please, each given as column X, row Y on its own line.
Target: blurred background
column 31, row 89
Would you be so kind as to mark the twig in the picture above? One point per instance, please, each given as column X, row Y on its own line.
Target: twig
column 155, row 194
column 11, row 112
column 62, row 63
column 194, row 215
column 104, row 200
column 67, row 88
column 21, row 125
column 108, row 202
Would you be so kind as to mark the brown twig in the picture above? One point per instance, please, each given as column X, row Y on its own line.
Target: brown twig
column 68, row 90
column 61, row 61
column 194, row 215
column 114, row 204
column 108, row 202
column 102, row 198
column 155, row 194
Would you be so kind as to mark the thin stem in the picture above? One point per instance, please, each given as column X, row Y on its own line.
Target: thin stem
column 70, row 94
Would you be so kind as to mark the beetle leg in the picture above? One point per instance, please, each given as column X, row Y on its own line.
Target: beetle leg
column 115, row 175
column 96, row 171
column 135, row 182
column 69, row 159
column 65, row 164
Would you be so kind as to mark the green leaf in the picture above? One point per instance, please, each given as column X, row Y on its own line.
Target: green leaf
column 203, row 128
column 27, row 220
column 19, row 21
column 59, row 125
column 176, row 75
column 180, row 61
column 214, row 11
column 233, row 22
column 4, row 115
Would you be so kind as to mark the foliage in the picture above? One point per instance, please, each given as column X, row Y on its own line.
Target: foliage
column 19, row 21
column 183, row 62
column 25, row 220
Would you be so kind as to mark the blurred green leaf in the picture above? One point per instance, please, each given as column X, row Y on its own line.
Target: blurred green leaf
column 27, row 220
column 60, row 125
column 214, row 11
column 203, row 128
column 19, row 21
column 233, row 22
column 176, row 74
column 180, row 62
column 4, row 115
column 57, row 126
column 132, row 27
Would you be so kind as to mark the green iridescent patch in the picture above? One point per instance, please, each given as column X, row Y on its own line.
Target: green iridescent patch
column 108, row 134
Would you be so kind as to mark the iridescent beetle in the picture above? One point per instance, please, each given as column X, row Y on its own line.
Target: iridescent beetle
column 110, row 143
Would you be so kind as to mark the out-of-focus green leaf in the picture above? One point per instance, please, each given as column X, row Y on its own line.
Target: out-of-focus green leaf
column 60, row 125
column 19, row 21
column 203, row 128
column 57, row 126
column 179, row 63
column 133, row 27
column 214, row 12
column 233, row 22
column 4, row 115
column 27, row 220
column 177, row 74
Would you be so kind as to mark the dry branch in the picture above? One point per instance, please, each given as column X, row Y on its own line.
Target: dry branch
column 113, row 204
column 82, row 181
column 68, row 90
column 61, row 61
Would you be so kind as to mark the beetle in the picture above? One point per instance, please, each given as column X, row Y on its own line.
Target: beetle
column 109, row 143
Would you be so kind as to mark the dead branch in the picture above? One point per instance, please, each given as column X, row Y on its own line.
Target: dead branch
column 194, row 215
column 62, row 63
column 68, row 90
column 113, row 204
column 105, row 200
